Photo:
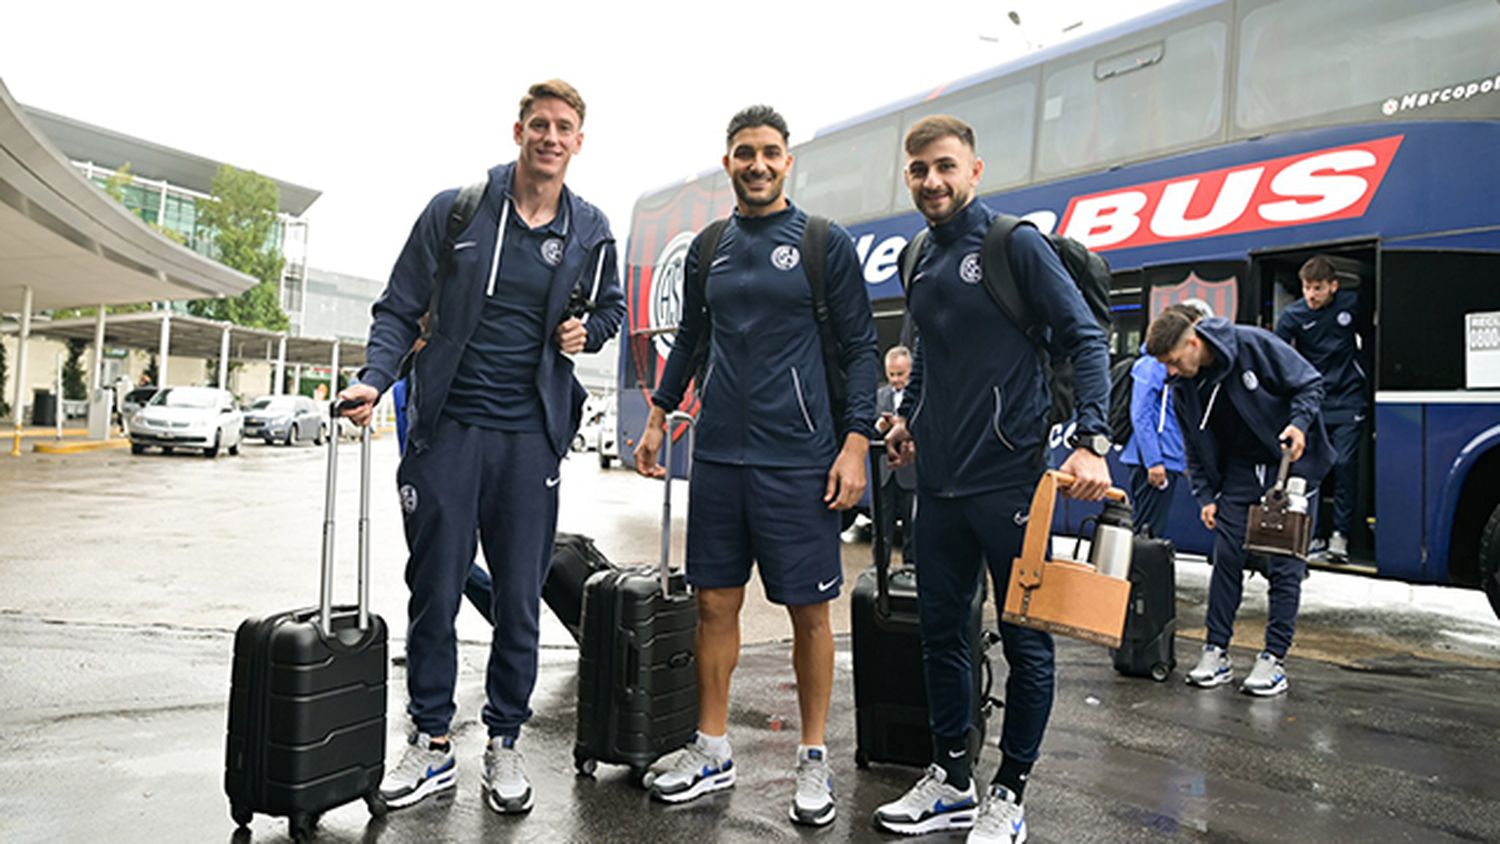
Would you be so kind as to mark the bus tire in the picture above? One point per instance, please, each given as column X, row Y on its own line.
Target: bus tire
column 1489, row 560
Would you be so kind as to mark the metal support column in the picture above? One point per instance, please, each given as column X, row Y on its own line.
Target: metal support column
column 98, row 380
column 224, row 359
column 333, row 374
column 163, row 348
column 280, row 367
column 21, row 340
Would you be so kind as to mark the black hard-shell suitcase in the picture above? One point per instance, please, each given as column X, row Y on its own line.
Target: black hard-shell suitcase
column 637, row 681
column 574, row 560
column 890, row 697
column 1147, row 647
column 307, row 696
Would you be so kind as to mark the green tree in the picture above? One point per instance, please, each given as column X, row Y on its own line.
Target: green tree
column 240, row 218
column 115, row 185
column 72, row 373
column 4, row 366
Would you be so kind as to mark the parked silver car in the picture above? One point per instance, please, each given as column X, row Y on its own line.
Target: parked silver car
column 188, row 417
column 286, row 419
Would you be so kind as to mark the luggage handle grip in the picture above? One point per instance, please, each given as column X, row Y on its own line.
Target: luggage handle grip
column 664, row 569
column 1065, row 480
column 325, row 592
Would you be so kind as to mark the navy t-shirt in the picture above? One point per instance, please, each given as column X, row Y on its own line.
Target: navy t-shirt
column 495, row 385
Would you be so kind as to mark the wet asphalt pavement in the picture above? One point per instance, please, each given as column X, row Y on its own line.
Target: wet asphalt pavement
column 122, row 579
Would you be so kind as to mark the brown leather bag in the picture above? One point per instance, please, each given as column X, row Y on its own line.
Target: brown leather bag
column 1067, row 597
column 1273, row 526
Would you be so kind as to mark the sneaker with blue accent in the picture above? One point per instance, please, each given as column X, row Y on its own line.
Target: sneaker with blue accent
column 1213, row 669
column 695, row 772
column 931, row 805
column 506, row 788
column 1267, row 678
column 425, row 769
column 1002, row 820
column 813, row 803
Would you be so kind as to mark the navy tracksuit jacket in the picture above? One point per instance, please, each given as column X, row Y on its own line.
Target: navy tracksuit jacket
column 1265, row 385
column 461, row 484
column 977, row 406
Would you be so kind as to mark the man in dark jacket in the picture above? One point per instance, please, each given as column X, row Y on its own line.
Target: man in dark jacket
column 1321, row 326
column 772, row 464
column 1241, row 393
column 975, row 418
column 898, row 484
column 493, row 408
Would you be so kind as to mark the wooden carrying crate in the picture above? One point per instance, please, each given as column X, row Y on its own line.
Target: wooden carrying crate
column 1067, row 597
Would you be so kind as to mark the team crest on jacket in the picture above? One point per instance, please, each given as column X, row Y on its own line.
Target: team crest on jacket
column 1251, row 382
column 785, row 257
column 968, row 269
column 408, row 498
column 552, row 249
column 1345, row 318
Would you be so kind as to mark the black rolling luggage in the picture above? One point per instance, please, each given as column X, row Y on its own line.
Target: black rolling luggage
column 637, row 681
column 574, row 561
column 307, row 696
column 1147, row 648
column 890, row 697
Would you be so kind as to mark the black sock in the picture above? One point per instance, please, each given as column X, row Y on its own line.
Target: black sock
column 437, row 744
column 1013, row 776
column 952, row 755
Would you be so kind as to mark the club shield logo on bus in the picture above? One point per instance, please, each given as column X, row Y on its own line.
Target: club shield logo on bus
column 665, row 295
column 1213, row 298
column 1313, row 187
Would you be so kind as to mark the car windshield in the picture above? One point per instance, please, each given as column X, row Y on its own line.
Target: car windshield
column 186, row 397
column 280, row 404
column 141, row 396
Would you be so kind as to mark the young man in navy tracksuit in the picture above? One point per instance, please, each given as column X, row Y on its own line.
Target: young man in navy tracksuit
column 772, row 464
column 493, row 407
column 1320, row 325
column 975, row 418
column 1239, row 393
column 1154, row 450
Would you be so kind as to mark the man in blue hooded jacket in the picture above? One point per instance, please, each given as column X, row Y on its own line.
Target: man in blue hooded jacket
column 1154, row 450
column 492, row 409
column 1241, row 393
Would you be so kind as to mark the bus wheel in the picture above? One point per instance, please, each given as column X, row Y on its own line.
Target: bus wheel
column 1489, row 560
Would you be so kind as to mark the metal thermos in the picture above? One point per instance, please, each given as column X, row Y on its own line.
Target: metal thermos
column 1114, row 535
column 1296, row 495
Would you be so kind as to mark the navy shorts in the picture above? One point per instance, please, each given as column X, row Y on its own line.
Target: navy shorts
column 773, row 517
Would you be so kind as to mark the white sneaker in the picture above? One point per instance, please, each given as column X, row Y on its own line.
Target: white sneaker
column 1267, row 678
column 1001, row 819
column 813, row 803
column 424, row 770
column 506, row 787
column 1214, row 668
column 931, row 805
column 1338, row 548
column 694, row 773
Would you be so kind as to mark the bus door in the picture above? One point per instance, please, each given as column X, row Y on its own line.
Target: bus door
column 1438, row 446
column 1276, row 283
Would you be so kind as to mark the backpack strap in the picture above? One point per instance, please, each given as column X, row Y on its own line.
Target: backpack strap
column 815, row 266
column 460, row 215
column 1000, row 277
column 911, row 253
column 708, row 244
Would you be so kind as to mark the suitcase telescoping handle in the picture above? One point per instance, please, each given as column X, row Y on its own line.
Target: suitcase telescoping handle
column 880, row 544
column 664, row 569
column 325, row 597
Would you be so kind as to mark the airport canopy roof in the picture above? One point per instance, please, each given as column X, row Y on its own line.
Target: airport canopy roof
column 76, row 247
column 192, row 336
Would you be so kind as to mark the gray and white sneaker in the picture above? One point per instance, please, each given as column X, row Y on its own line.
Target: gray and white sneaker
column 694, row 773
column 813, row 803
column 930, row 805
column 1338, row 548
column 1213, row 669
column 506, row 788
column 1267, row 678
column 1001, row 819
column 425, row 769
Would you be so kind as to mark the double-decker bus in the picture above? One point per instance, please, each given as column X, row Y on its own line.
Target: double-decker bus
column 1207, row 150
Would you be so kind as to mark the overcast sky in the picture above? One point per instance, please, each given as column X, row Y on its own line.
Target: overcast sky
column 381, row 109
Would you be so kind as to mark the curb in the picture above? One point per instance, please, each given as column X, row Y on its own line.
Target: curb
column 78, row 447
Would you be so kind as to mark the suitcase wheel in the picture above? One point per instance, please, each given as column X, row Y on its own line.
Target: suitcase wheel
column 302, row 826
column 1160, row 672
column 861, row 759
column 585, row 765
column 241, row 814
column 376, row 804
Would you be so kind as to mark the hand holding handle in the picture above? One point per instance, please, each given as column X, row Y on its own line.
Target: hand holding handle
column 1065, row 480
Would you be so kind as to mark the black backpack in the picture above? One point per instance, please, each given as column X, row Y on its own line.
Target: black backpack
column 1089, row 271
column 814, row 249
column 1121, row 388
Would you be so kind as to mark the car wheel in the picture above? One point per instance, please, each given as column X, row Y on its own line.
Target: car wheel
column 213, row 451
column 235, row 449
column 166, row 449
column 137, row 448
column 291, row 434
column 1489, row 560
column 579, row 443
column 604, row 460
column 322, row 434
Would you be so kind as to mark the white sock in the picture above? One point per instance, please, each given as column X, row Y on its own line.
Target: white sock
column 805, row 751
column 715, row 745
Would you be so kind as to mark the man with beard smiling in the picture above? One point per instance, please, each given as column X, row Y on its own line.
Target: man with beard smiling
column 772, row 466
column 493, row 408
column 974, row 416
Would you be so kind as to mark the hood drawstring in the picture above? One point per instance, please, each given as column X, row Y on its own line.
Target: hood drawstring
column 1166, row 395
column 489, row 289
column 1210, row 409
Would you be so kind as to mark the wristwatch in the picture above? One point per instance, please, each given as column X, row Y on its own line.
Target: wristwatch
column 1097, row 443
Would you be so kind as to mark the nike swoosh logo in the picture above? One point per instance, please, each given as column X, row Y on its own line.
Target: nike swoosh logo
column 1021, row 517
column 552, row 482
column 717, row 261
column 463, row 245
column 1309, row 326
column 939, row 807
column 956, row 754
column 824, row 587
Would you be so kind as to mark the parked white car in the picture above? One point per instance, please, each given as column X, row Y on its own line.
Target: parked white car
column 203, row 418
column 604, row 438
